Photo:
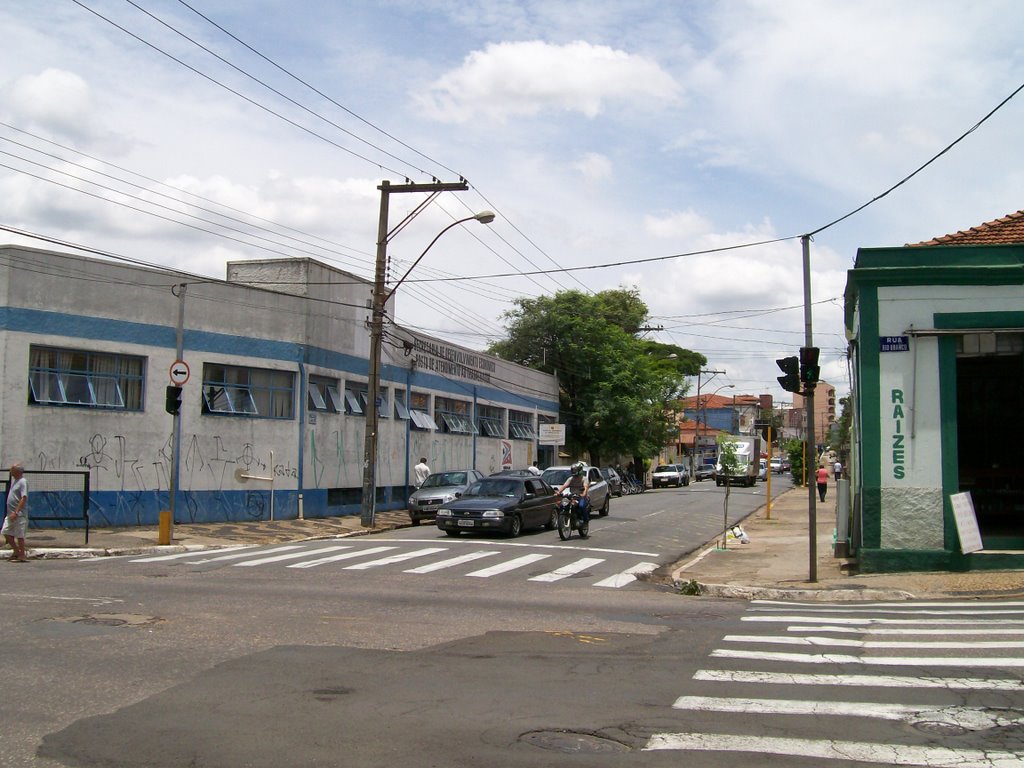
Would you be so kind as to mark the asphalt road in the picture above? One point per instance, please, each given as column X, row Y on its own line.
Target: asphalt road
column 199, row 661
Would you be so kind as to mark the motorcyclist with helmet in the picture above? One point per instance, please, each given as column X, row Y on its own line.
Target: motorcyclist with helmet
column 579, row 484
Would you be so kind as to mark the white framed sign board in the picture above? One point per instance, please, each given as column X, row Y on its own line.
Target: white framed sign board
column 551, row 434
column 966, row 523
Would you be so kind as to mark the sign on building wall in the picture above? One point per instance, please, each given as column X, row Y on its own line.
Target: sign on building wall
column 966, row 522
column 893, row 343
column 551, row 434
column 895, row 435
column 506, row 454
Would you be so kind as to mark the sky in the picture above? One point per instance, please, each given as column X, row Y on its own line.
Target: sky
column 680, row 148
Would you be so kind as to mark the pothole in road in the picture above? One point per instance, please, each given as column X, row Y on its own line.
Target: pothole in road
column 573, row 742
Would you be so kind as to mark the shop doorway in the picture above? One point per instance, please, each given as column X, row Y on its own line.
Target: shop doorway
column 990, row 427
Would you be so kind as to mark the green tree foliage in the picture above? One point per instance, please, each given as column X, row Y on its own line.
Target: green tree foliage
column 617, row 391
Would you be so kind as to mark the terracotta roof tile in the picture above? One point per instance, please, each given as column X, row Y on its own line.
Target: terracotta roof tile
column 1008, row 230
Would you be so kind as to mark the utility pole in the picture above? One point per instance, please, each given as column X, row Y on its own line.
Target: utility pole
column 702, row 423
column 376, row 322
column 812, row 511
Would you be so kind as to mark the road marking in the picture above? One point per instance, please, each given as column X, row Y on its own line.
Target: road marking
column 181, row 555
column 847, row 643
column 847, row 751
column 288, row 556
column 395, row 558
column 986, row 611
column 967, row 718
column 627, row 576
column 245, row 552
column 872, row 621
column 510, row 565
column 756, row 604
column 867, row 681
column 336, row 558
column 569, row 570
column 450, row 562
column 910, row 631
column 886, row 661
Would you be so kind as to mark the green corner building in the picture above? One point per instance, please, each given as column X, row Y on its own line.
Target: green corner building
column 936, row 334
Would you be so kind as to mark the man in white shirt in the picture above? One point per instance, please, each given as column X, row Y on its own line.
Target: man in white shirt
column 422, row 471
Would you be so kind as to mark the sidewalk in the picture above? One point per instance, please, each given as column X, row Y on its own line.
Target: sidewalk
column 775, row 564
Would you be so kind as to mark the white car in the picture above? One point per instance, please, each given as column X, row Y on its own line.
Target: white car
column 670, row 474
column 600, row 494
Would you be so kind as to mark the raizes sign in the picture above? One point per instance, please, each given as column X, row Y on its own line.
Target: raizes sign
column 452, row 361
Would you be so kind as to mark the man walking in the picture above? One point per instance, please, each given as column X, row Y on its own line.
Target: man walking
column 422, row 471
column 837, row 470
column 16, row 522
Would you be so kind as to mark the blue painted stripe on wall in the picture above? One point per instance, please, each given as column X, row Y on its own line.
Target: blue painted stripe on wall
column 23, row 320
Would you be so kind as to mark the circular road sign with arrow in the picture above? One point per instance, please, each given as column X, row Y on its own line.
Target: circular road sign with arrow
column 179, row 372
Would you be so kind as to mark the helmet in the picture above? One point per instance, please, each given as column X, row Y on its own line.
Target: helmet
column 576, row 468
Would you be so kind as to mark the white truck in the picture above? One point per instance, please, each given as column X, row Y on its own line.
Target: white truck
column 748, row 461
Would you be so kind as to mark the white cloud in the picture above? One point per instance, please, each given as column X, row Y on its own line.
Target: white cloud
column 594, row 166
column 683, row 225
column 523, row 79
column 53, row 99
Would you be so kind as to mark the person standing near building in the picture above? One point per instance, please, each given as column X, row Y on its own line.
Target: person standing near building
column 534, row 469
column 822, row 477
column 16, row 522
column 422, row 471
column 837, row 470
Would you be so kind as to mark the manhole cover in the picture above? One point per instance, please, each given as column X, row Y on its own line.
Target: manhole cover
column 938, row 728
column 573, row 741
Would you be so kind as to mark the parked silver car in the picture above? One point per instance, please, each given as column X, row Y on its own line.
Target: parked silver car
column 439, row 488
column 599, row 493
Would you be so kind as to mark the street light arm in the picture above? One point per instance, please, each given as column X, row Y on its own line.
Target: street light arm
column 484, row 217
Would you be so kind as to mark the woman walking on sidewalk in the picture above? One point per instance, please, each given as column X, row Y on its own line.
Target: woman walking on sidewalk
column 16, row 522
column 822, row 478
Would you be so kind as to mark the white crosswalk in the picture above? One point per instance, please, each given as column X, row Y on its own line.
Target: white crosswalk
column 565, row 561
column 972, row 718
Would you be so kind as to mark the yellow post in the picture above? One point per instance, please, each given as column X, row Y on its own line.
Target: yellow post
column 768, row 474
column 165, row 528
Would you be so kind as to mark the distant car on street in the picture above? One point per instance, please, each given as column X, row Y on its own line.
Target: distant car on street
column 507, row 504
column 704, row 472
column 439, row 488
column 762, row 472
column 613, row 480
column 670, row 474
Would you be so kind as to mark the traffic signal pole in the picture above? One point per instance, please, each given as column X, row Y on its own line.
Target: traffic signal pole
column 812, row 511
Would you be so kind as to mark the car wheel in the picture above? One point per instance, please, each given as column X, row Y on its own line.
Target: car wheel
column 452, row 533
column 552, row 522
column 516, row 526
column 686, row 483
column 607, row 506
column 415, row 520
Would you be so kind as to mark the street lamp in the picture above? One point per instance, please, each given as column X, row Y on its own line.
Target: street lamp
column 380, row 298
column 704, row 420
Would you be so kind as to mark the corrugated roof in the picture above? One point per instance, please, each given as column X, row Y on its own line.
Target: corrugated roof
column 1008, row 230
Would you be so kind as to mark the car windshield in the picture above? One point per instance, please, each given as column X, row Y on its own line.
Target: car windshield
column 493, row 486
column 667, row 468
column 555, row 477
column 444, row 478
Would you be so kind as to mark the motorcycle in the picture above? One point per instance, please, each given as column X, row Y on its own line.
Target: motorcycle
column 569, row 518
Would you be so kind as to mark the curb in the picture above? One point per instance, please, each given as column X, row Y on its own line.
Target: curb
column 733, row 591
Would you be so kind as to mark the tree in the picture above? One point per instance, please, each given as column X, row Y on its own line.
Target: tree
column 729, row 463
column 617, row 392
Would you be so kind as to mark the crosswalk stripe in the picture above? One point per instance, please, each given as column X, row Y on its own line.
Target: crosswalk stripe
column 450, row 562
column 847, row 643
column 973, row 604
column 967, row 718
column 287, row 556
column 181, row 555
column 395, row 558
column 627, row 576
column 568, row 570
column 885, row 661
column 850, row 621
column 866, row 681
column 907, row 611
column 831, row 749
column 244, row 552
column 510, row 565
column 910, row 631
column 337, row 558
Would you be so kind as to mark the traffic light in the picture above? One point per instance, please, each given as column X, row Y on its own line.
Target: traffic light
column 810, row 371
column 173, row 404
column 791, row 367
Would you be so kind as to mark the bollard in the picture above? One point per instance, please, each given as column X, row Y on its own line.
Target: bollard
column 300, row 508
column 165, row 528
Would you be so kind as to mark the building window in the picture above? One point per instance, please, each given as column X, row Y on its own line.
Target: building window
column 520, row 426
column 85, row 379
column 257, row 392
column 323, row 394
column 419, row 412
column 401, row 409
column 355, row 397
column 454, row 416
column 490, row 420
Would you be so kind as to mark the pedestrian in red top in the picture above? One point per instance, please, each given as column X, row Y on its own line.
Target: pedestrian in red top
column 822, row 478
